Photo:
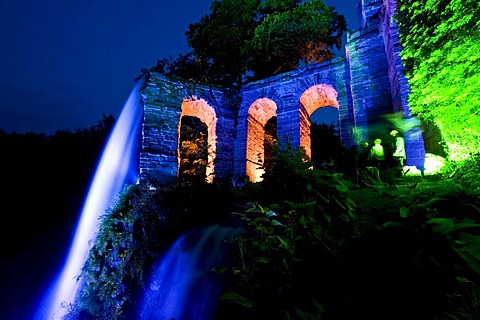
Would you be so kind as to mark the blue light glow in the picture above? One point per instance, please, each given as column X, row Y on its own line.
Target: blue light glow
column 116, row 168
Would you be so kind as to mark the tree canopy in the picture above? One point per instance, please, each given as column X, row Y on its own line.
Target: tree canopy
column 441, row 54
column 245, row 40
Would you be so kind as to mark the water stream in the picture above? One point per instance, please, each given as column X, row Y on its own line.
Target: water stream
column 118, row 166
column 182, row 285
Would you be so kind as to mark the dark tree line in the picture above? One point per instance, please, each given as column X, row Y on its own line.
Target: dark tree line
column 46, row 178
column 45, row 182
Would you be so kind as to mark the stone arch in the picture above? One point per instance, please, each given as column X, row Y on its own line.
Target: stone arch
column 317, row 96
column 199, row 108
column 259, row 112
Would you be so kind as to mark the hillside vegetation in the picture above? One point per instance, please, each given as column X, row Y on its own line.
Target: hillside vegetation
column 314, row 245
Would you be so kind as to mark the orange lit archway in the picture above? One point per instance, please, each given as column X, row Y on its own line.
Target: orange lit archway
column 259, row 113
column 200, row 109
column 315, row 97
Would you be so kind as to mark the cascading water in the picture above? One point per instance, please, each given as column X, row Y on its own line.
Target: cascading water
column 118, row 166
column 182, row 285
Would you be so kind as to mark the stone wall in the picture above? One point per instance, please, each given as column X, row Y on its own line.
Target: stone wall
column 414, row 143
column 365, row 86
column 162, row 100
column 285, row 92
column 370, row 83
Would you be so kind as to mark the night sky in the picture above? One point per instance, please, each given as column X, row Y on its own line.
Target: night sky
column 65, row 63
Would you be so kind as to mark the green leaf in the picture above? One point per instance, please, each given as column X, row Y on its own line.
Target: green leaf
column 404, row 212
column 442, row 225
column 341, row 188
column 473, row 247
column 270, row 214
column 470, row 259
column 276, row 223
column 302, row 314
column 285, row 243
column 237, row 298
column 392, row 224
column 465, row 224
column 327, row 216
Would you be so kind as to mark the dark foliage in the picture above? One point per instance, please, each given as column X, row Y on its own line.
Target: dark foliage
column 143, row 222
column 329, row 153
column 315, row 246
column 193, row 151
column 46, row 178
column 247, row 40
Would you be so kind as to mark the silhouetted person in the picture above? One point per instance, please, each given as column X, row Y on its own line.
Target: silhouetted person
column 399, row 155
column 362, row 155
column 421, row 165
column 377, row 156
column 362, row 162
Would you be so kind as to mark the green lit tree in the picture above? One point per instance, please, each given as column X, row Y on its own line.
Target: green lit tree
column 242, row 40
column 441, row 54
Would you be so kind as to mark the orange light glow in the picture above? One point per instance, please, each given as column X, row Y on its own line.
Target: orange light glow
column 199, row 108
column 259, row 113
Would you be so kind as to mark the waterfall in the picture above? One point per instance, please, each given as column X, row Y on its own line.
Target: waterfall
column 182, row 285
column 117, row 166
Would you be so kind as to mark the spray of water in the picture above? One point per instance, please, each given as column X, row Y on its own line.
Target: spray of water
column 115, row 169
column 182, row 284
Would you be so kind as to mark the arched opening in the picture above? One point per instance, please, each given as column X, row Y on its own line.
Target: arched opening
column 259, row 113
column 193, row 151
column 270, row 142
column 325, row 138
column 327, row 115
column 315, row 97
column 194, row 108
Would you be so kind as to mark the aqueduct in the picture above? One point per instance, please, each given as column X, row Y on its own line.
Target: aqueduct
column 364, row 86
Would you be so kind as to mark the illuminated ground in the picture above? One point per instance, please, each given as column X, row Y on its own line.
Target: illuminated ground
column 388, row 199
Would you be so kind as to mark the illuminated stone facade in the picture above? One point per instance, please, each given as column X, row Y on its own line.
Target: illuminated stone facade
column 364, row 86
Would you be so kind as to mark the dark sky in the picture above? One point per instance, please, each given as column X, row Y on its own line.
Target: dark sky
column 64, row 63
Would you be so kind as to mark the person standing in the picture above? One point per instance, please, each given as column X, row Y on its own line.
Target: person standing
column 399, row 155
column 362, row 155
column 377, row 156
column 362, row 161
